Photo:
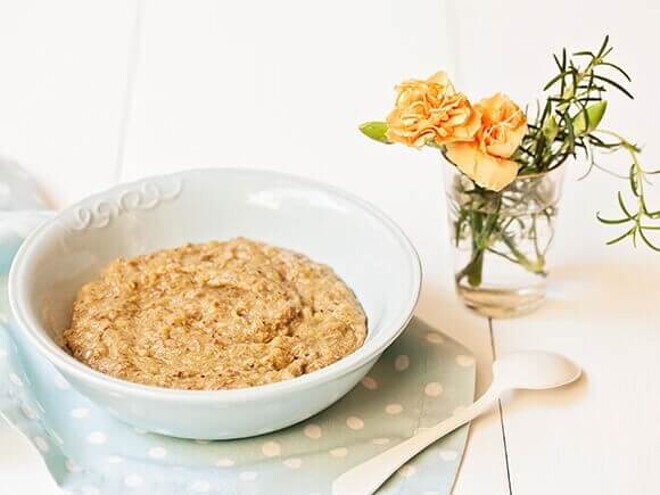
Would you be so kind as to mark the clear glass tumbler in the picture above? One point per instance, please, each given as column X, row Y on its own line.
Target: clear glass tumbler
column 501, row 240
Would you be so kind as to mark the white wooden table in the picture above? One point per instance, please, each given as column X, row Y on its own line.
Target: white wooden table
column 95, row 92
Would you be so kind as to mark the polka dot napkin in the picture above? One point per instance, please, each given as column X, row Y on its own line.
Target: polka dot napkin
column 417, row 382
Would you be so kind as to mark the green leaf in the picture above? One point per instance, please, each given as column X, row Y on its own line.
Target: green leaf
column 647, row 241
column 570, row 132
column 622, row 204
column 603, row 47
column 618, row 69
column 561, row 69
column 621, row 237
column 587, row 120
column 552, row 81
column 550, row 129
column 612, row 221
column 376, row 131
column 615, row 84
column 634, row 181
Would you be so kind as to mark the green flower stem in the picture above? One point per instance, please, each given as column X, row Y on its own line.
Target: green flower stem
column 474, row 268
column 481, row 228
column 486, row 230
column 536, row 267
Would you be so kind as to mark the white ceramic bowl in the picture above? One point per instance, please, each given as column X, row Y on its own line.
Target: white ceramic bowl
column 364, row 247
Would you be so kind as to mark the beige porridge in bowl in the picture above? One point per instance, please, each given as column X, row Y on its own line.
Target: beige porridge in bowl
column 213, row 316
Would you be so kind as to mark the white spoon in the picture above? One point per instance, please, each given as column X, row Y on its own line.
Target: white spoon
column 535, row 370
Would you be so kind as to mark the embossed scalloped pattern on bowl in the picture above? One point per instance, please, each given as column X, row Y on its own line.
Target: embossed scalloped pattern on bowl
column 144, row 196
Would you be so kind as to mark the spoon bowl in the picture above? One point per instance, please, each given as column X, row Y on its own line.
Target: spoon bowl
column 534, row 370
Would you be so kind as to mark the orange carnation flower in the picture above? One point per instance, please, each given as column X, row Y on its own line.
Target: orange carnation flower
column 431, row 111
column 485, row 159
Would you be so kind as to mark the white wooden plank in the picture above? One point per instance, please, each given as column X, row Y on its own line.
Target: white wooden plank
column 61, row 90
column 603, row 313
column 283, row 86
column 599, row 436
column 61, row 94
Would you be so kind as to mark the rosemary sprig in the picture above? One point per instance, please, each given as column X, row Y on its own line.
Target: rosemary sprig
column 638, row 216
column 569, row 121
column 572, row 111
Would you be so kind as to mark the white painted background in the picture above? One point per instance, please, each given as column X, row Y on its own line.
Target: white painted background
column 92, row 92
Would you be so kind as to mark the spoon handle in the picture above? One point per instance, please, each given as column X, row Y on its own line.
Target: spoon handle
column 365, row 478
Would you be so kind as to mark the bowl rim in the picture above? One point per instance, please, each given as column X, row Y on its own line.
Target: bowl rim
column 28, row 325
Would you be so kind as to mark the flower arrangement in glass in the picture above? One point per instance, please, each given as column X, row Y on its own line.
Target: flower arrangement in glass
column 505, row 171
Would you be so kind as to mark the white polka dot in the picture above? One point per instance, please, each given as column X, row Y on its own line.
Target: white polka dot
column 200, row 486
column 60, row 382
column 369, row 383
column 448, row 455
column 224, row 463
column 248, row 475
column 42, row 444
column 114, row 459
column 407, row 471
column 380, row 441
column 28, row 412
column 133, row 481
column 313, row 431
column 354, row 423
column 202, row 442
column 393, row 408
column 271, row 449
column 72, row 467
column 293, row 463
column 464, row 360
column 434, row 338
column 157, row 452
column 401, row 363
column 79, row 412
column 433, row 389
column 340, row 452
column 15, row 379
column 97, row 438
column 89, row 490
